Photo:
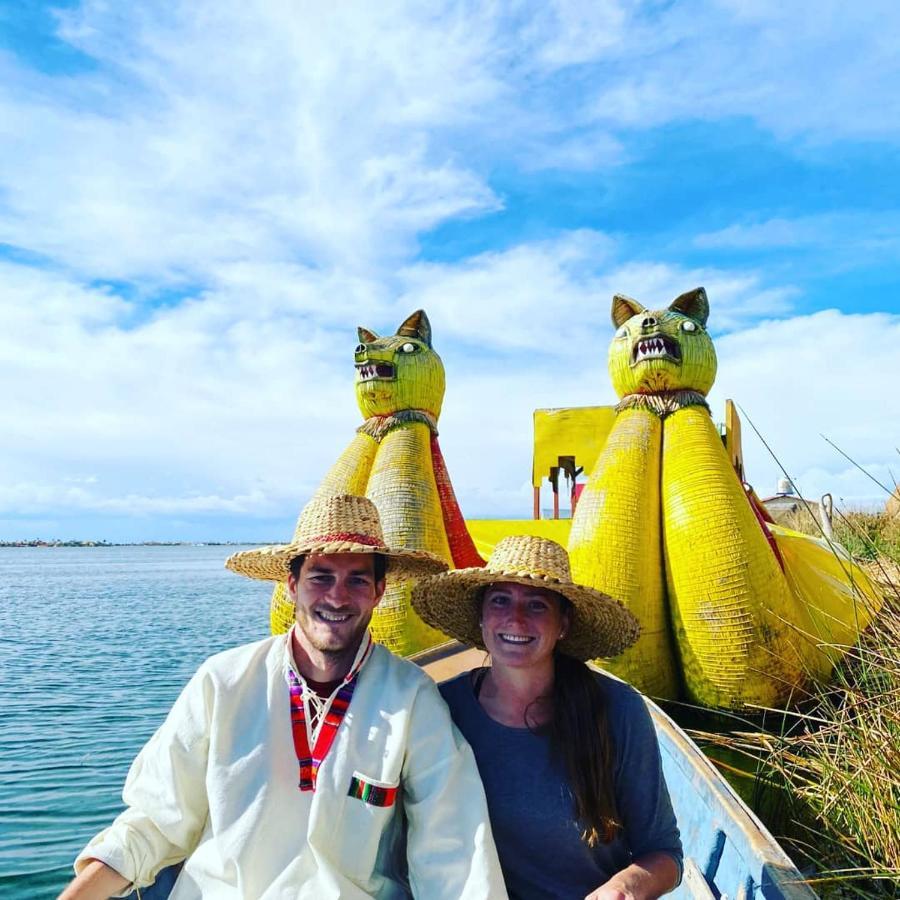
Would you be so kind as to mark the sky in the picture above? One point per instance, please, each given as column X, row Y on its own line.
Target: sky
column 200, row 201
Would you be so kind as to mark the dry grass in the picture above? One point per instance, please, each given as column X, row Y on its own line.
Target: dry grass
column 839, row 754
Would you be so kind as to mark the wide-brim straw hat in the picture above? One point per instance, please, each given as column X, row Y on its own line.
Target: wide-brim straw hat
column 342, row 523
column 600, row 627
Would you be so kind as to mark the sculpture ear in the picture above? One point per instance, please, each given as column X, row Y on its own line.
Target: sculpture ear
column 623, row 308
column 417, row 326
column 366, row 336
column 693, row 304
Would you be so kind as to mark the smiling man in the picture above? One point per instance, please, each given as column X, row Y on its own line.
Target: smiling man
column 309, row 765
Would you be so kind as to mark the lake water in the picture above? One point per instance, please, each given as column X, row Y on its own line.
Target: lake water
column 95, row 645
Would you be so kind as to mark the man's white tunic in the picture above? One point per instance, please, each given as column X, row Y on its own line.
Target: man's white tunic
column 217, row 784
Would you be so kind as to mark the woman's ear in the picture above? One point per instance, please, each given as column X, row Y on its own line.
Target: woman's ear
column 565, row 622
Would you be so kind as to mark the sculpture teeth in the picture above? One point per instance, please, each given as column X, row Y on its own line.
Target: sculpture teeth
column 368, row 371
column 651, row 348
column 654, row 348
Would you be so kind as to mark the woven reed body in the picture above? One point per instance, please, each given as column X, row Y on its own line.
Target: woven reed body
column 615, row 546
column 402, row 485
column 836, row 594
column 730, row 601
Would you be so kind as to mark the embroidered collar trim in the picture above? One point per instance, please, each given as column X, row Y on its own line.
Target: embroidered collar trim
column 315, row 721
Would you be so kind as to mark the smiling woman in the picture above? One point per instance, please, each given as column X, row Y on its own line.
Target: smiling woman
column 568, row 757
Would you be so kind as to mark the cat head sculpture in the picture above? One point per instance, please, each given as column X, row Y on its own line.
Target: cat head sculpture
column 655, row 351
column 399, row 372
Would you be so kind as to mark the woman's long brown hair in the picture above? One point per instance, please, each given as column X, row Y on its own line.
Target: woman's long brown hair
column 579, row 735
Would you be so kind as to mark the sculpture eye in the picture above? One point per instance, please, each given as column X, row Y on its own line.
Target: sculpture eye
column 688, row 325
column 360, row 348
column 622, row 331
column 408, row 348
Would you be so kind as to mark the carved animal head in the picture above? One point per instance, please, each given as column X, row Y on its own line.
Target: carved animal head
column 662, row 350
column 400, row 371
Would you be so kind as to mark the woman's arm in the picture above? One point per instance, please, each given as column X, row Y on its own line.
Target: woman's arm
column 648, row 877
column 643, row 801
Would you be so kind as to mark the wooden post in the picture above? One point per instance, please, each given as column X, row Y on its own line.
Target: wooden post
column 554, row 483
column 537, row 503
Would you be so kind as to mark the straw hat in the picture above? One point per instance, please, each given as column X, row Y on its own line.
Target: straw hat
column 338, row 524
column 600, row 626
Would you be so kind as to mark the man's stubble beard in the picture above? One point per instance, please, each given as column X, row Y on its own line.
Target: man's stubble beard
column 327, row 649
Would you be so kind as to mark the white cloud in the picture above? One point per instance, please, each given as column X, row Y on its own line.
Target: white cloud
column 825, row 374
column 821, row 77
column 551, row 296
column 847, row 237
column 214, row 132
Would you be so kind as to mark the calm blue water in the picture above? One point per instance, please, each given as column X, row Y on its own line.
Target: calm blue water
column 95, row 645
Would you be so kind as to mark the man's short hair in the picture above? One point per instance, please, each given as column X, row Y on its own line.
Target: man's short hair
column 379, row 565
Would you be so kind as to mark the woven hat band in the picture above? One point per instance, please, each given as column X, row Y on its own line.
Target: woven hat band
column 530, row 572
column 530, row 556
column 344, row 536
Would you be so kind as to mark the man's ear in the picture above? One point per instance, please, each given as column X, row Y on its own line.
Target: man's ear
column 292, row 586
column 379, row 590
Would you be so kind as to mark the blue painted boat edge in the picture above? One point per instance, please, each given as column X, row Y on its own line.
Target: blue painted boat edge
column 773, row 874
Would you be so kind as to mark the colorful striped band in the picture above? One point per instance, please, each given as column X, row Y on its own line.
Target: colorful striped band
column 373, row 794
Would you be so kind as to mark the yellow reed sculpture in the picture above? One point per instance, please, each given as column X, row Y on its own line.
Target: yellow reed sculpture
column 395, row 460
column 734, row 611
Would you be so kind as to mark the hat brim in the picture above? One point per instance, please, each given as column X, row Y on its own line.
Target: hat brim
column 273, row 563
column 601, row 627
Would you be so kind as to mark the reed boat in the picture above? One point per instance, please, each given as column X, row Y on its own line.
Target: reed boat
column 728, row 853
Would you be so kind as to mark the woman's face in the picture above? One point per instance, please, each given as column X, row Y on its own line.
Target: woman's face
column 521, row 623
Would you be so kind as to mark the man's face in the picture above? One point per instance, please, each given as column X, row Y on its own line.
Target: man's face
column 335, row 594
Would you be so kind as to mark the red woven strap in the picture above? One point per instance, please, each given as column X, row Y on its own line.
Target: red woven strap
column 462, row 547
column 340, row 536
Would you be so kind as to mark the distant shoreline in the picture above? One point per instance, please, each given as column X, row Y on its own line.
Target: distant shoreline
column 52, row 544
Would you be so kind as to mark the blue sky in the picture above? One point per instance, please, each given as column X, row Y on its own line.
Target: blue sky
column 200, row 201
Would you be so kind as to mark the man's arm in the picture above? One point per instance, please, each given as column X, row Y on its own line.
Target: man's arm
column 165, row 796
column 647, row 878
column 96, row 881
column 450, row 848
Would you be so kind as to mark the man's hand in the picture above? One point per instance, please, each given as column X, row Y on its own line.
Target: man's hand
column 96, row 881
column 647, row 878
